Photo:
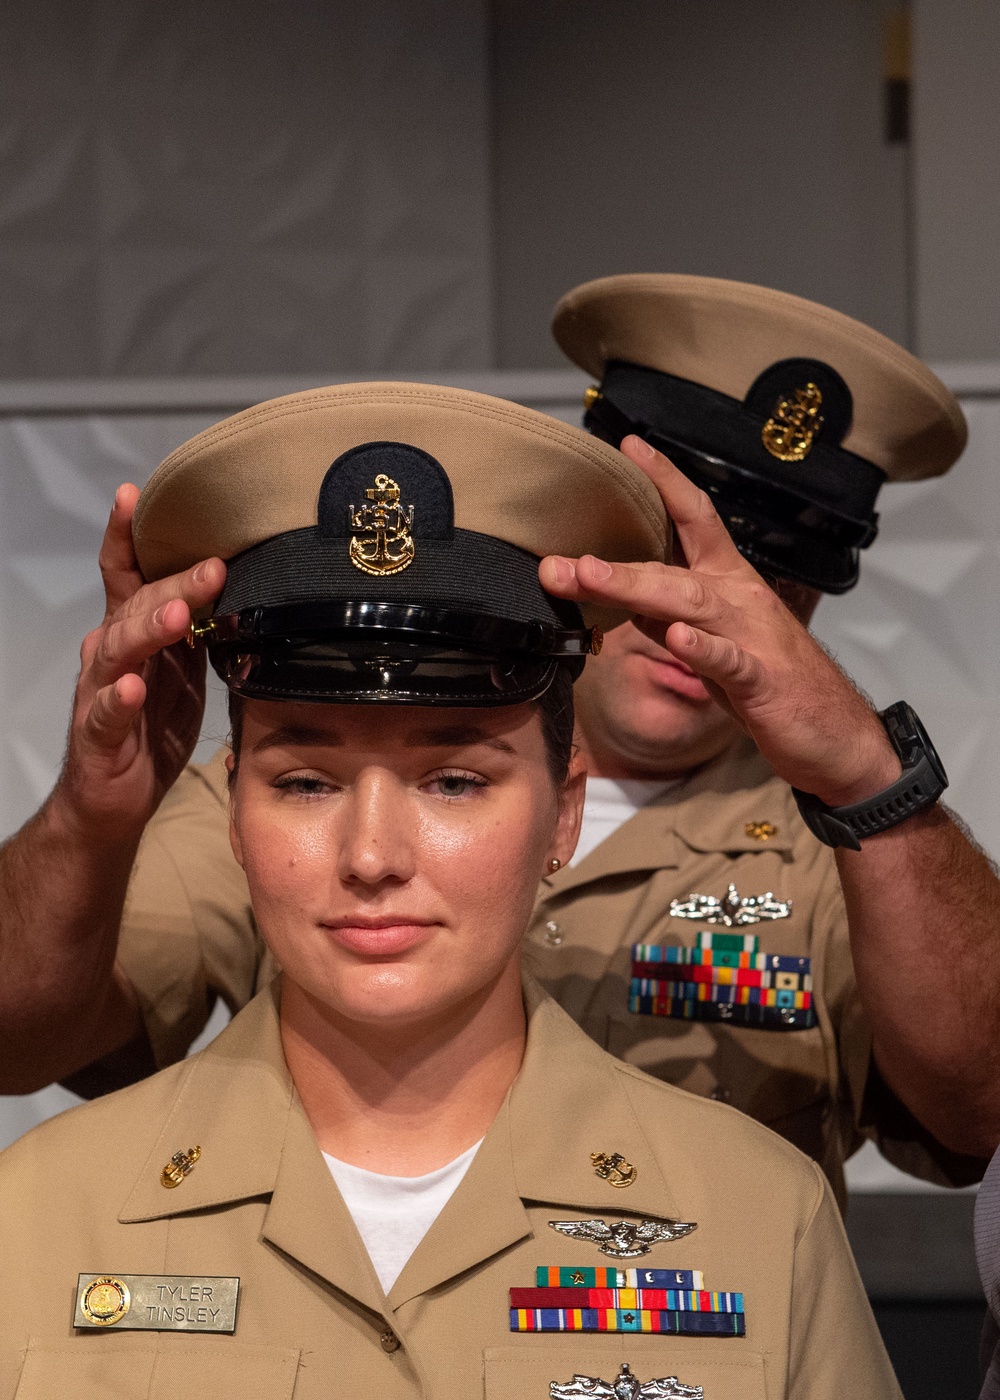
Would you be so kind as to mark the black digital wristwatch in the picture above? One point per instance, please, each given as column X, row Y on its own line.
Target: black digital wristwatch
column 920, row 784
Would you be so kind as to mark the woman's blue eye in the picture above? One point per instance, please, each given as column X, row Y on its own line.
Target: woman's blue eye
column 306, row 787
column 454, row 787
column 457, row 784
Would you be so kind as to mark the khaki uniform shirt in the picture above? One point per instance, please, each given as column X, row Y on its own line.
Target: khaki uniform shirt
column 188, row 935
column 82, row 1193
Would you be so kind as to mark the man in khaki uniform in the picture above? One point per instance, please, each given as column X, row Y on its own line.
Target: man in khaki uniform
column 725, row 820
column 224, row 1227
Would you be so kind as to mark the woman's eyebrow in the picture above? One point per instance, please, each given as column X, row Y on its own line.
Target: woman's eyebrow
column 454, row 735
column 296, row 736
column 440, row 736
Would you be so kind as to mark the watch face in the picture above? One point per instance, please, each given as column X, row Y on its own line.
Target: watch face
column 911, row 739
column 931, row 753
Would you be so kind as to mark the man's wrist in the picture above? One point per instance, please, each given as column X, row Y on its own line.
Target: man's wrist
column 883, row 769
column 102, row 834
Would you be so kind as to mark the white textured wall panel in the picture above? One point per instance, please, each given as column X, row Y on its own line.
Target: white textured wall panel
column 924, row 623
column 58, row 477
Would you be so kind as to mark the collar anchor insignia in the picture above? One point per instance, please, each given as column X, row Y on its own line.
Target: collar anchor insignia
column 624, row 1239
column 383, row 544
column 613, row 1168
column 179, row 1166
column 625, row 1386
column 732, row 911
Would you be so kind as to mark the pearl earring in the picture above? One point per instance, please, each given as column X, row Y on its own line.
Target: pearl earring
column 554, row 864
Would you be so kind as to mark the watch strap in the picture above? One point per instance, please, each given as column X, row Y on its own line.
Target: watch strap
column 919, row 786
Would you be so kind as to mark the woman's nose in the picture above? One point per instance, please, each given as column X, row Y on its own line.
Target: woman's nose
column 377, row 841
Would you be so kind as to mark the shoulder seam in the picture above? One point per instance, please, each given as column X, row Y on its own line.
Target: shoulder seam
column 821, row 1189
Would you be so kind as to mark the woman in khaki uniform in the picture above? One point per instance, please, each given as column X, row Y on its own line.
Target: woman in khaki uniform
column 390, row 1171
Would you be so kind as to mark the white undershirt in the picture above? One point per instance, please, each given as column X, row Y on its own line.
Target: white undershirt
column 394, row 1213
column 610, row 802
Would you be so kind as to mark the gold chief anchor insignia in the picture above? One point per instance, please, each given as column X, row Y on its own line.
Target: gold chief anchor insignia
column 178, row 1167
column 788, row 434
column 613, row 1168
column 385, row 546
column 761, row 831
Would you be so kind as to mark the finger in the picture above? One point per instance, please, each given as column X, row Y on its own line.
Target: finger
column 706, row 542
column 128, row 643
column 718, row 659
column 117, row 560
column 113, row 714
column 654, row 590
column 198, row 587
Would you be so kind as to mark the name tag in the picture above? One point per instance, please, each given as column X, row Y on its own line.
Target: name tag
column 156, row 1302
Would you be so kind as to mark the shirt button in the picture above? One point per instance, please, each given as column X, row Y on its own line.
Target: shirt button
column 721, row 1095
column 553, row 934
column 389, row 1341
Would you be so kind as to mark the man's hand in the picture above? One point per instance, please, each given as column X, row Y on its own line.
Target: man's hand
column 64, row 875
column 141, row 690
column 759, row 662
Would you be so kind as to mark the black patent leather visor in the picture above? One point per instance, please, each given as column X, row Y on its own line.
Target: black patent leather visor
column 358, row 652
column 778, row 535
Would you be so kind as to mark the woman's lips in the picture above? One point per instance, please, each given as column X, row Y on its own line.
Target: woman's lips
column 676, row 676
column 379, row 940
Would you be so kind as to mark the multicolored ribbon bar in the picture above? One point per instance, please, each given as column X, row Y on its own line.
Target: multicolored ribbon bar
column 776, row 1018
column 643, row 1299
column 729, row 942
column 666, row 954
column 627, row 1320
column 660, row 1278
column 588, row 1277
column 723, row 976
column 722, row 995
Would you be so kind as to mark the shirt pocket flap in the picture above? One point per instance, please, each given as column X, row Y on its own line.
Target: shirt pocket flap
column 768, row 1074
column 155, row 1368
column 520, row 1375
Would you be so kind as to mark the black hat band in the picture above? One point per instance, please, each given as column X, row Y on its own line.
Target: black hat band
column 732, row 431
column 469, row 573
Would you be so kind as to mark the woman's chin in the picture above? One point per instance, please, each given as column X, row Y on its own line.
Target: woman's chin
column 385, row 996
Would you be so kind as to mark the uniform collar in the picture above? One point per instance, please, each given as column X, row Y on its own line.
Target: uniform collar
column 237, row 1102
column 234, row 1101
column 708, row 811
column 569, row 1100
